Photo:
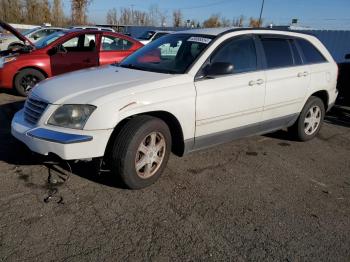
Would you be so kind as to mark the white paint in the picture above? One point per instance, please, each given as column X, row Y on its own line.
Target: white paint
column 202, row 107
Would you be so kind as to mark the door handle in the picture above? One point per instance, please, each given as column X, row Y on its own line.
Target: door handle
column 87, row 60
column 252, row 83
column 301, row 74
column 259, row 81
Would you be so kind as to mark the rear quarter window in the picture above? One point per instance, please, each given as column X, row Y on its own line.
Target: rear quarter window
column 311, row 54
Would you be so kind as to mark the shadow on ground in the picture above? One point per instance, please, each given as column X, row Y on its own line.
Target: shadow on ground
column 16, row 153
column 339, row 115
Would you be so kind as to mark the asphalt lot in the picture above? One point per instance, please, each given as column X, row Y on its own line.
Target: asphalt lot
column 261, row 198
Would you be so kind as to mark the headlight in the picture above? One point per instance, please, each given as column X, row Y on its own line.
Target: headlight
column 71, row 116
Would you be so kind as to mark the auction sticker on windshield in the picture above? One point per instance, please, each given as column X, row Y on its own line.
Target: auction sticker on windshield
column 199, row 39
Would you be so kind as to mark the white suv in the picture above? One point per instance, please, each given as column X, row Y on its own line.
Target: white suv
column 214, row 86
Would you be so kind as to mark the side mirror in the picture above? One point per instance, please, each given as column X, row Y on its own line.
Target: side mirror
column 218, row 68
column 35, row 37
column 347, row 56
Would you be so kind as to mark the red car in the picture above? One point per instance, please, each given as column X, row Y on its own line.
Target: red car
column 58, row 53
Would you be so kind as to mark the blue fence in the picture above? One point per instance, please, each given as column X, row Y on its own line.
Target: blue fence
column 337, row 42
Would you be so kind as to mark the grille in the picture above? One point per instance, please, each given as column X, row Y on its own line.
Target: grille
column 33, row 110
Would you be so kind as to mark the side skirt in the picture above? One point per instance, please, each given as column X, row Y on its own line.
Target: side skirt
column 260, row 128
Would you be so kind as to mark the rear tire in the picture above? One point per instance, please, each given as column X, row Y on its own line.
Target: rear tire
column 310, row 120
column 141, row 151
column 26, row 79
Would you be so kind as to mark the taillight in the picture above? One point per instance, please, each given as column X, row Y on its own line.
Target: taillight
column 337, row 72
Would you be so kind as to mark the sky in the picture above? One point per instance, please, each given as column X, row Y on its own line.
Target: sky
column 319, row 14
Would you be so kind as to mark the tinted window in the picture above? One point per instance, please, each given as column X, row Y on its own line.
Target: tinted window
column 112, row 43
column 240, row 53
column 147, row 35
column 311, row 54
column 278, row 52
column 170, row 54
column 296, row 54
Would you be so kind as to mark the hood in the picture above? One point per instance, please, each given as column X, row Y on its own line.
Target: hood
column 94, row 85
column 21, row 37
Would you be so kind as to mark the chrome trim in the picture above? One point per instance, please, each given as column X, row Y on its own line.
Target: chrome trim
column 58, row 137
column 33, row 110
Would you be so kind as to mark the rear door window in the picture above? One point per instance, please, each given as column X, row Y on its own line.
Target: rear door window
column 81, row 43
column 278, row 52
column 112, row 43
column 310, row 52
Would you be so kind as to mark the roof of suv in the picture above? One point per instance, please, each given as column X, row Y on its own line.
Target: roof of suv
column 223, row 30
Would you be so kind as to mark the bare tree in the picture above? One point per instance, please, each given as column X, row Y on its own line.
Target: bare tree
column 177, row 18
column 238, row 22
column 58, row 17
column 112, row 17
column 253, row 22
column 45, row 11
column 33, row 13
column 141, row 18
column 225, row 22
column 212, row 21
column 125, row 16
column 163, row 18
column 79, row 11
column 11, row 11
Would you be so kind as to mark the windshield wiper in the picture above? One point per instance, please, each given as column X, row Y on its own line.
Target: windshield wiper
column 132, row 66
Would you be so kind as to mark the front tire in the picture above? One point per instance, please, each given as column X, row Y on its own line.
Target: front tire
column 310, row 120
column 141, row 151
column 26, row 79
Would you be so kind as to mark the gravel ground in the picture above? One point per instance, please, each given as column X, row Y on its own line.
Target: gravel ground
column 261, row 198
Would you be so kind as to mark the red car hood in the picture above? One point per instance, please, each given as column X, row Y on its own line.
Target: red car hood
column 9, row 28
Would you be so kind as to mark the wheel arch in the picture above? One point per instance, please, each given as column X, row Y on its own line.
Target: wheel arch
column 178, row 145
column 324, row 96
column 29, row 67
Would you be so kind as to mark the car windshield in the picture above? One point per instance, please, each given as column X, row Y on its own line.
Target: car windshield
column 170, row 54
column 147, row 35
column 49, row 39
column 27, row 32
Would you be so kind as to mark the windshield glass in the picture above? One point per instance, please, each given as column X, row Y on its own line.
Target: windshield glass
column 27, row 32
column 49, row 39
column 147, row 35
column 171, row 54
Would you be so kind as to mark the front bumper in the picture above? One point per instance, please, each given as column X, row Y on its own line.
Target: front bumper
column 77, row 144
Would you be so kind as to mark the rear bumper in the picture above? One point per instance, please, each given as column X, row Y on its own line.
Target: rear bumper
column 75, row 144
column 332, row 98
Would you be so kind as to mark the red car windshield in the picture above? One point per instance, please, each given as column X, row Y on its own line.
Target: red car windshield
column 49, row 39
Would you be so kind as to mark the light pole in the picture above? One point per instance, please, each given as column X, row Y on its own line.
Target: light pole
column 261, row 11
